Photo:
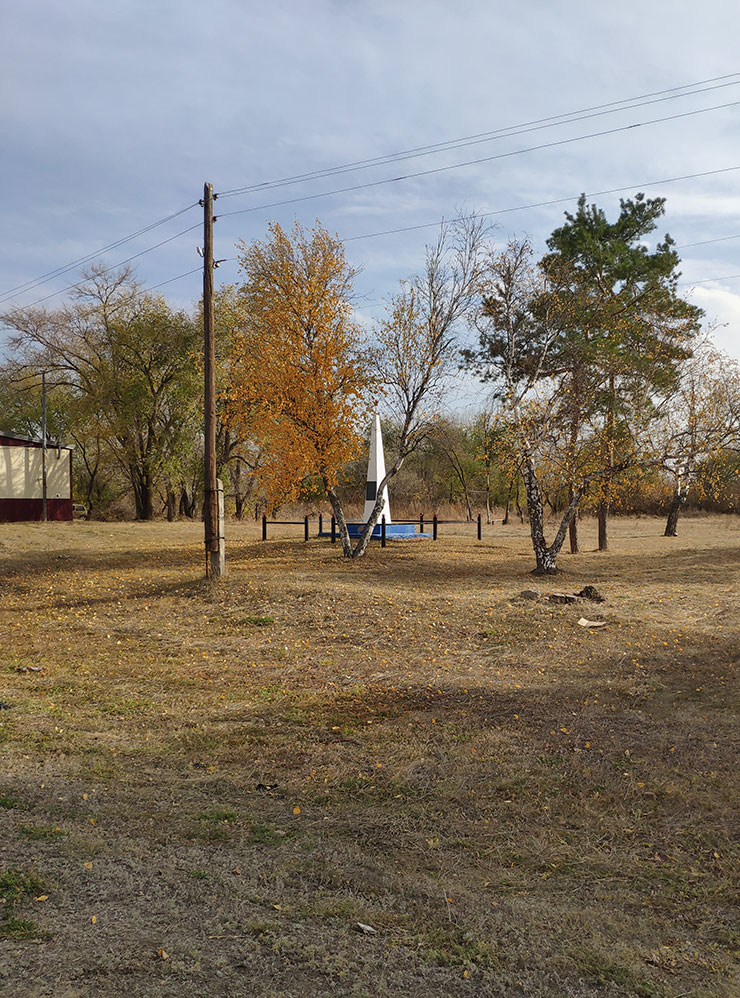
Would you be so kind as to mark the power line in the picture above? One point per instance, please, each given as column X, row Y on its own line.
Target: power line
column 626, row 104
column 423, row 225
column 709, row 280
column 107, row 270
column 476, row 162
column 629, row 103
column 179, row 277
column 45, row 278
column 706, row 242
column 195, row 270
column 551, row 202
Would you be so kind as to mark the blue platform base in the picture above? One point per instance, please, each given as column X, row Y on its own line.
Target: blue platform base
column 391, row 529
column 393, row 532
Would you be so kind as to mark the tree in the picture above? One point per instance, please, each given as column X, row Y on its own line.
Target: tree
column 418, row 342
column 451, row 439
column 700, row 422
column 298, row 372
column 127, row 360
column 302, row 374
column 238, row 452
column 522, row 313
column 630, row 330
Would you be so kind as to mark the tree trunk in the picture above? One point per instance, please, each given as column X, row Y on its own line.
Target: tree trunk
column 603, row 516
column 488, row 493
column 469, row 507
column 239, row 496
column 148, row 500
column 171, row 505
column 508, row 504
column 575, row 423
column 545, row 558
column 679, row 498
column 573, row 526
column 187, row 503
column 338, row 512
column 545, row 555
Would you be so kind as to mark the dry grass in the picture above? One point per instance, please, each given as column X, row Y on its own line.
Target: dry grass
column 210, row 786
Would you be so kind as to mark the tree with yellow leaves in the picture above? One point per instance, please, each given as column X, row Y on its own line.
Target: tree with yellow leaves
column 700, row 422
column 298, row 366
column 301, row 373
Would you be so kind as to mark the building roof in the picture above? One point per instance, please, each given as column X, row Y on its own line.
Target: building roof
column 32, row 442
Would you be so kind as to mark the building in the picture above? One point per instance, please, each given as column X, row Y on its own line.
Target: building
column 21, row 486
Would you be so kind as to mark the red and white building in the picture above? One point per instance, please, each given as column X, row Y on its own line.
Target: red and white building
column 21, row 484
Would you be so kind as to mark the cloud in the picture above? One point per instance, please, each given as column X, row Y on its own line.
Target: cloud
column 722, row 308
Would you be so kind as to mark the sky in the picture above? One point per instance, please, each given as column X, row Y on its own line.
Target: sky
column 115, row 114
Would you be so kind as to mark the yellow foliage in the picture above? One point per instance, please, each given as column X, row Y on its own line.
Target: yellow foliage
column 299, row 375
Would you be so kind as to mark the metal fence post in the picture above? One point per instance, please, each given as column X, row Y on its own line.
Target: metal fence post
column 333, row 530
column 434, row 527
column 382, row 532
column 421, row 523
column 479, row 527
column 321, row 525
column 305, row 528
column 264, row 527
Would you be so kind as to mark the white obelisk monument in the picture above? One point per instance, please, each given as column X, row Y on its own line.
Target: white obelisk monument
column 376, row 474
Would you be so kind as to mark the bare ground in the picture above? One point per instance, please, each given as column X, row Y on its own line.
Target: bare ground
column 206, row 788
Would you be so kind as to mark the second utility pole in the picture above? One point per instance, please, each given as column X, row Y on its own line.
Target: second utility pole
column 213, row 509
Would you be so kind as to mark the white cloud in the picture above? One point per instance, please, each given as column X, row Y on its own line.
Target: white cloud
column 722, row 307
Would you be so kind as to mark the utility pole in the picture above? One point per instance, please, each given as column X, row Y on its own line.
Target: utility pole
column 213, row 512
column 43, row 447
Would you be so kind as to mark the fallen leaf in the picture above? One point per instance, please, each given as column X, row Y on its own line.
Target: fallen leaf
column 162, row 955
column 296, row 810
column 42, row 897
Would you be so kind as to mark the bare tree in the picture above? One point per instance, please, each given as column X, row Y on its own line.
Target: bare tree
column 700, row 421
column 418, row 346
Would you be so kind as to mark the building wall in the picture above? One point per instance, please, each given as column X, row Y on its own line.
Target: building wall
column 20, row 473
column 21, row 485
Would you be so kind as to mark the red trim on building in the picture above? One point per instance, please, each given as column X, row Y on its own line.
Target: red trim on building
column 18, row 442
column 22, row 510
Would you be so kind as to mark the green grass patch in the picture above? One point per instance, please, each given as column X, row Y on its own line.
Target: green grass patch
column 220, row 815
column 456, row 948
column 20, row 928
column 41, row 833
column 15, row 885
column 606, row 971
column 12, row 803
column 260, row 834
column 259, row 621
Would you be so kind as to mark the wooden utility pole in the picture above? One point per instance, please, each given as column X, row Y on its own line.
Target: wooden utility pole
column 44, row 516
column 214, row 540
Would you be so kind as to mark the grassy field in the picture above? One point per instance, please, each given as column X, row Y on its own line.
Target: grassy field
column 206, row 790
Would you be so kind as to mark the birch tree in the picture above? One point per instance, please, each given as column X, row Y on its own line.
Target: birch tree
column 520, row 317
column 701, row 421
